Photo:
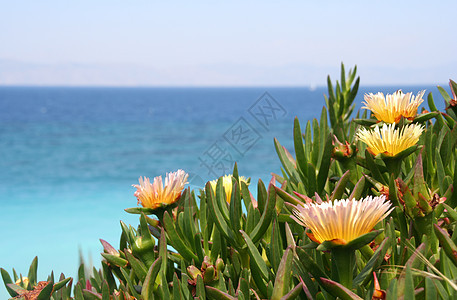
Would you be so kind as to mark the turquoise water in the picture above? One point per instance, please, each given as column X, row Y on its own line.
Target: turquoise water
column 68, row 156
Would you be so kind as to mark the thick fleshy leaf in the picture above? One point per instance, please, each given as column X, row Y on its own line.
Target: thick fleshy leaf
column 299, row 148
column 276, row 246
column 33, row 272
column 267, row 215
column 235, row 206
column 287, row 164
column 293, row 293
column 324, row 167
column 425, row 117
column 17, row 289
column 374, row 168
column 200, row 290
column 358, row 189
column 363, row 240
column 354, row 244
column 216, row 213
column 7, row 280
column 140, row 210
column 46, row 292
column 450, row 212
column 340, row 186
column 163, row 252
column 105, row 291
column 148, row 286
column 283, row 275
column 374, row 262
column 440, row 172
column 145, row 233
column 256, row 259
column 366, row 122
column 339, row 290
column 286, row 196
column 176, row 240
column 310, row 264
column 401, row 155
column 446, row 242
column 189, row 228
column 408, row 291
column 177, row 289
column 262, row 195
column 108, row 248
column 214, row 293
column 128, row 232
column 130, row 283
column 137, row 266
column 316, row 151
column 61, row 283
column 115, row 260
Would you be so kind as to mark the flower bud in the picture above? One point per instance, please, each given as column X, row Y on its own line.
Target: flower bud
column 209, row 274
column 342, row 151
column 193, row 272
column 220, row 264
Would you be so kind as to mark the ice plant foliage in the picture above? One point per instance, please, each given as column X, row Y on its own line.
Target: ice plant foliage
column 227, row 183
column 342, row 219
column 390, row 140
column 156, row 194
column 207, row 248
column 392, row 107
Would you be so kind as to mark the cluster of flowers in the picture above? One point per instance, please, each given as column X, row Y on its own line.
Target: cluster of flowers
column 341, row 220
column 389, row 110
column 344, row 220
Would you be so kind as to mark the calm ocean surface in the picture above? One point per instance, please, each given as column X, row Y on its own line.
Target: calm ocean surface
column 68, row 156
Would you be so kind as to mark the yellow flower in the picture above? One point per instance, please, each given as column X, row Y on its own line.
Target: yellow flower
column 156, row 194
column 227, row 183
column 391, row 108
column 389, row 140
column 24, row 280
column 343, row 220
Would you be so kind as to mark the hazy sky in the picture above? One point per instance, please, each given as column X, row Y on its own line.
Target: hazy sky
column 225, row 42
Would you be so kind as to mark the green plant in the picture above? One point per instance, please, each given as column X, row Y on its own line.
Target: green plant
column 206, row 245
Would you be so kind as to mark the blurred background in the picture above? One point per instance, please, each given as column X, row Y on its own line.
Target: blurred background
column 94, row 95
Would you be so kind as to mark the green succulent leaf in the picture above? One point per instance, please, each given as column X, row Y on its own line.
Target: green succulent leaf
column 285, row 161
column 17, row 289
column 267, row 215
column 446, row 242
column 339, row 290
column 149, row 283
column 33, row 272
column 374, row 262
column 324, row 167
column 61, row 283
column 140, row 210
column 7, row 280
column 255, row 257
column 283, row 275
column 366, row 122
column 137, row 266
column 115, row 260
column 176, row 240
column 310, row 264
column 340, row 186
column 363, row 240
column 214, row 293
column 46, row 292
column 217, row 215
column 299, row 148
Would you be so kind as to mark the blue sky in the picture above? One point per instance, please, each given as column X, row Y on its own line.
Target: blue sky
column 216, row 43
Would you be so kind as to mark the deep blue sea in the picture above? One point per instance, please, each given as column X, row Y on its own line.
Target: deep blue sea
column 68, row 156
